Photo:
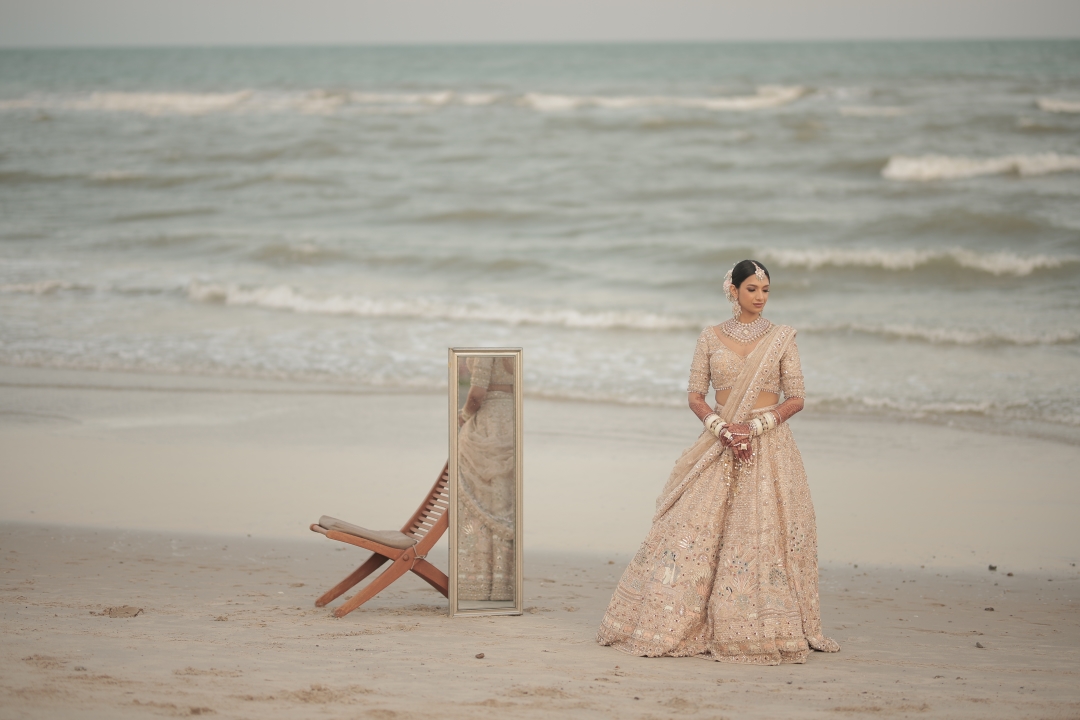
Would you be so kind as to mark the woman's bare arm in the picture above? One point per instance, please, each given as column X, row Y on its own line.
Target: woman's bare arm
column 789, row 407
column 699, row 405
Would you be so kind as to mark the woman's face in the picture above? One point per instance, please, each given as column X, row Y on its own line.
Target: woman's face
column 753, row 294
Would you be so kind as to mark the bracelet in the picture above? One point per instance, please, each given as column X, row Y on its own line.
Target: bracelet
column 709, row 419
column 715, row 425
column 756, row 427
column 465, row 417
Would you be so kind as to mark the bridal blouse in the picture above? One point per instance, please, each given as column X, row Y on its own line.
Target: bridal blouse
column 715, row 362
column 729, row 568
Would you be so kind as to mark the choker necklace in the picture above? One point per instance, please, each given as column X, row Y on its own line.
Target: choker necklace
column 745, row 332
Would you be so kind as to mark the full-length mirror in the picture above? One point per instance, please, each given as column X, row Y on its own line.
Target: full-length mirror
column 485, row 481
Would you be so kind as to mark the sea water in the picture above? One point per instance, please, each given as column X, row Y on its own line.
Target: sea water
column 343, row 215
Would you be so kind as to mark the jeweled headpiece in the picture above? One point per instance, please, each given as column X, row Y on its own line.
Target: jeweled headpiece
column 729, row 290
column 757, row 271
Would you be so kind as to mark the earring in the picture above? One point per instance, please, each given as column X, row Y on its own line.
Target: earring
column 736, row 309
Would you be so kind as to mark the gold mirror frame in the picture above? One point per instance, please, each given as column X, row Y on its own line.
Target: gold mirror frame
column 456, row 354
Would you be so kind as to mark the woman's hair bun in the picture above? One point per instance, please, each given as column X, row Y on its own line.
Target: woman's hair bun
column 745, row 269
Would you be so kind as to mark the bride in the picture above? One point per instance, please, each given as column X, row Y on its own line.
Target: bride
column 729, row 568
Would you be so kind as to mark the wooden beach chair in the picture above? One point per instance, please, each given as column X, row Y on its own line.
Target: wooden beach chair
column 406, row 550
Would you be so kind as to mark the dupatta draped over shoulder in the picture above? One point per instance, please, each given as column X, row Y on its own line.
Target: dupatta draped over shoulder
column 729, row 567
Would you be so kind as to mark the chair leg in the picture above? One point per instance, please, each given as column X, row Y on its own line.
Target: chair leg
column 434, row 577
column 389, row 575
column 372, row 564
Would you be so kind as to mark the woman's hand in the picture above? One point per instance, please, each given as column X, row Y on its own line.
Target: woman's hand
column 740, row 435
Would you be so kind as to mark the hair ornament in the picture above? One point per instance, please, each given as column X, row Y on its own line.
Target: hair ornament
column 729, row 290
column 757, row 271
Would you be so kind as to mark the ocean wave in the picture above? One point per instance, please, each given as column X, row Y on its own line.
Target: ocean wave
column 313, row 102
column 767, row 96
column 951, row 336
column 946, row 410
column 284, row 297
column 41, row 287
column 925, row 168
column 998, row 263
column 1055, row 105
column 177, row 103
column 324, row 102
column 872, row 111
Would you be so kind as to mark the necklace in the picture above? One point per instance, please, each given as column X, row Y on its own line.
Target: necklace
column 745, row 332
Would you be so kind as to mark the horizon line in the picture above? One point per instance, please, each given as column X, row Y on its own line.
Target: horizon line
column 241, row 45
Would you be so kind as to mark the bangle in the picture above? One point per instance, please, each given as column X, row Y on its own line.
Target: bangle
column 756, row 427
column 715, row 424
column 465, row 416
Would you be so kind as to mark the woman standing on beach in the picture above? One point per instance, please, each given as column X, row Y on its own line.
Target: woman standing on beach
column 729, row 568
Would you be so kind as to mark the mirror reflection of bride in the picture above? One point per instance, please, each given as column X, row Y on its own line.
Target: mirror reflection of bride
column 486, row 502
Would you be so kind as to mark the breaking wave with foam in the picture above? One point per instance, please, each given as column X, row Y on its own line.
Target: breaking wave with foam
column 324, row 102
column 767, row 96
column 870, row 111
column 950, row 336
column 997, row 263
column 284, row 297
column 946, row 411
column 1055, row 105
column 41, row 287
column 926, row 168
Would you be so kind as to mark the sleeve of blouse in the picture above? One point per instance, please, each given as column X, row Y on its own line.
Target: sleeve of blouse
column 791, row 377
column 699, row 368
column 481, row 371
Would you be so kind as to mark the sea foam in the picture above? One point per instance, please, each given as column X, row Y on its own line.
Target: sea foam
column 767, row 96
column 951, row 336
column 998, row 263
column 925, row 168
column 1058, row 106
column 872, row 111
column 284, row 297
column 41, row 287
column 323, row 102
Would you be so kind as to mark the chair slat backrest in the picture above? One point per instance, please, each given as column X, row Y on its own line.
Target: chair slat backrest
column 432, row 509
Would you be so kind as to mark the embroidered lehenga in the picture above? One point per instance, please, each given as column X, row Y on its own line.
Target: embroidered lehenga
column 486, row 489
column 729, row 567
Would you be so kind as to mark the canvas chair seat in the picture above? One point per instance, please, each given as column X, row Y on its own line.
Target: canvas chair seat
column 390, row 538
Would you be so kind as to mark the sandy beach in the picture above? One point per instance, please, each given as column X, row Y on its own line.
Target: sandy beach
column 188, row 499
column 227, row 628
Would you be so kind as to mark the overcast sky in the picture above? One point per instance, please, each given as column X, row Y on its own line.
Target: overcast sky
column 245, row 22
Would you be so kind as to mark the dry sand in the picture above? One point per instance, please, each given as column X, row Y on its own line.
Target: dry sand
column 228, row 628
column 140, row 491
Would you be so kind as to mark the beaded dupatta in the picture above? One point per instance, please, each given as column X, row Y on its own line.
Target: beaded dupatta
column 743, row 396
